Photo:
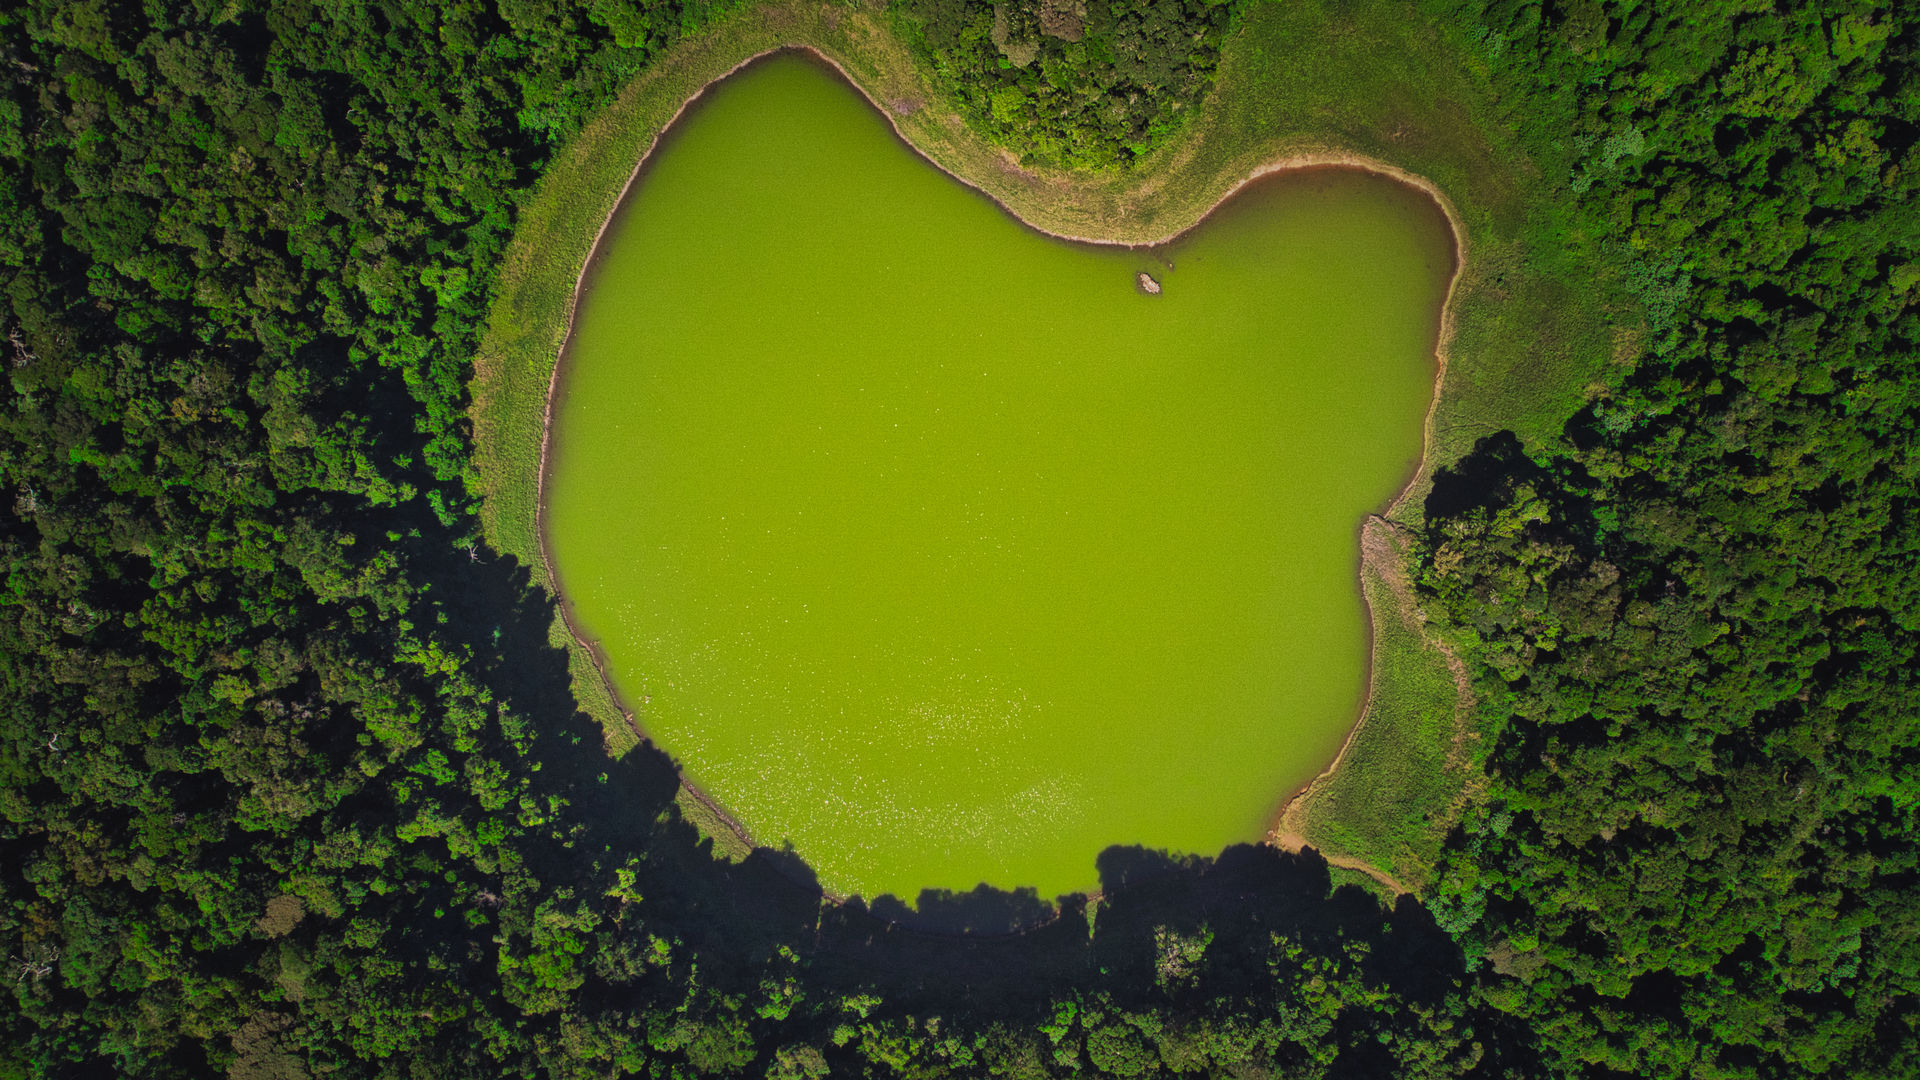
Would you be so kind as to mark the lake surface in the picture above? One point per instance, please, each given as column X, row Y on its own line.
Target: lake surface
column 932, row 545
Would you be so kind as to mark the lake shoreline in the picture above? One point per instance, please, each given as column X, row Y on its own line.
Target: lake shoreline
column 1291, row 162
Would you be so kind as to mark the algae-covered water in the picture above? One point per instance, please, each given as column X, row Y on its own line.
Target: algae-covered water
column 935, row 547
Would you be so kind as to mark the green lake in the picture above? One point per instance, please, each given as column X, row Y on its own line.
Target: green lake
column 936, row 548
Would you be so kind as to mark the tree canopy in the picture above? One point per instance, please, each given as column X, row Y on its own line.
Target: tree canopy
column 292, row 783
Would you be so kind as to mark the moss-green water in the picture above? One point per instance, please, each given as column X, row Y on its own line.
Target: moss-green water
column 932, row 545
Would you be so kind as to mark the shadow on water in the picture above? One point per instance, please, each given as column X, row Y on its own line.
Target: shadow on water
column 992, row 952
column 984, row 910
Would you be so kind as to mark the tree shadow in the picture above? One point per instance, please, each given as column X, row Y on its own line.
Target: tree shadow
column 1482, row 480
column 996, row 954
column 981, row 911
column 1497, row 472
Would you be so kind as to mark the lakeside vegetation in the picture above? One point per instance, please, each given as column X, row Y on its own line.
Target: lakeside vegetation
column 292, row 777
column 1296, row 82
column 1694, row 617
column 1386, row 806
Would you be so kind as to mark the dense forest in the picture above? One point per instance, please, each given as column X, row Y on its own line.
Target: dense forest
column 1698, row 621
column 292, row 782
column 1066, row 81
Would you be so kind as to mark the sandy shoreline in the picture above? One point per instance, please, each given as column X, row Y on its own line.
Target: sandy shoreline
column 1280, row 833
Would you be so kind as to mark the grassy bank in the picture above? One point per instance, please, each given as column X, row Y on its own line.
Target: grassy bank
column 1297, row 82
column 1384, row 805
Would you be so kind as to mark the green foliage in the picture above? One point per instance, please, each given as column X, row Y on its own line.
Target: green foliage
column 1179, row 955
column 282, row 794
column 1694, row 620
column 1086, row 83
column 798, row 1063
column 1118, row 1050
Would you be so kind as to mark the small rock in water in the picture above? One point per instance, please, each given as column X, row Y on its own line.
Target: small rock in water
column 1148, row 285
